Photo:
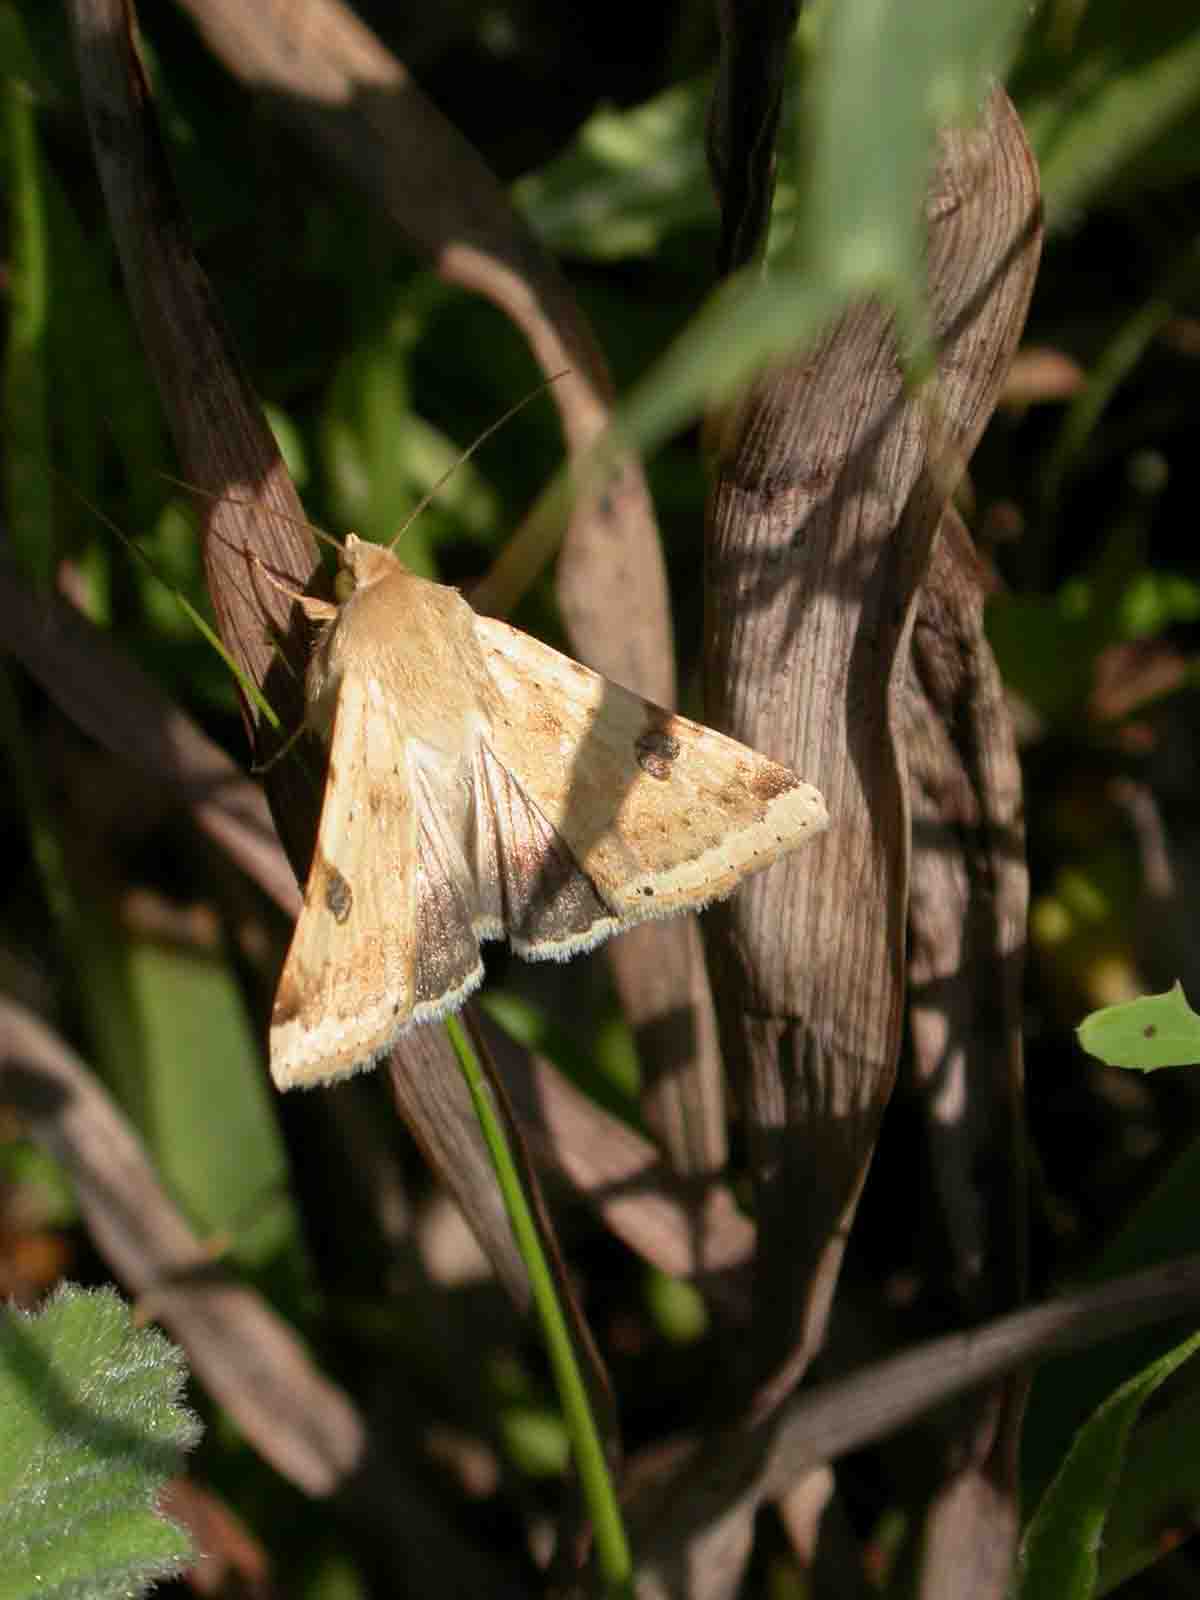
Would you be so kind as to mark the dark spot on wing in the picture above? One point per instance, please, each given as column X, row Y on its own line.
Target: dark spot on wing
column 338, row 896
column 657, row 753
column 768, row 781
column 1149, row 1031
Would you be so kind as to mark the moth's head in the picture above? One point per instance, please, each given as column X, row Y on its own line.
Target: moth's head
column 361, row 564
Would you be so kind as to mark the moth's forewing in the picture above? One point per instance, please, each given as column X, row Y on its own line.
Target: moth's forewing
column 349, row 979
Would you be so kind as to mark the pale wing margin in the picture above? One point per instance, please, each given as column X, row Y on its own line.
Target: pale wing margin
column 661, row 813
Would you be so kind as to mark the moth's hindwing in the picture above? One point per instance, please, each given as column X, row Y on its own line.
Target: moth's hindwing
column 529, row 879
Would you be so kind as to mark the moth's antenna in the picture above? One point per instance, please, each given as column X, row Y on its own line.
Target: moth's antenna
column 251, row 505
column 466, row 455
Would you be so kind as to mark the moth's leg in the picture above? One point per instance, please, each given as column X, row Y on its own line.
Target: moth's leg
column 314, row 609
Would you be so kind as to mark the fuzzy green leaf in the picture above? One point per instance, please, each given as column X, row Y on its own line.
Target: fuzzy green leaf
column 91, row 1426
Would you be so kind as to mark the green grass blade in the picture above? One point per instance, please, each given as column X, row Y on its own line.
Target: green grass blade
column 27, row 487
column 249, row 688
column 612, row 1546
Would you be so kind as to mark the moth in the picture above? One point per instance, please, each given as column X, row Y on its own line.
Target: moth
column 483, row 786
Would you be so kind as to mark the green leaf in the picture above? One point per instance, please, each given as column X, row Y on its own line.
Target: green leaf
column 170, row 1036
column 331, row 1576
column 1156, row 601
column 91, row 1426
column 36, row 1187
column 1048, row 646
column 677, row 1307
column 536, row 1440
column 628, row 179
column 1066, row 1390
column 27, row 485
column 1159, row 1483
column 1156, row 1030
column 1045, row 656
column 598, row 1056
column 884, row 78
column 103, row 397
column 208, row 1117
column 1121, row 109
column 17, row 59
column 381, row 459
column 1059, row 1554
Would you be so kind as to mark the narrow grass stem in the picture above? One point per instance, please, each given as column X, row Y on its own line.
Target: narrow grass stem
column 612, row 1546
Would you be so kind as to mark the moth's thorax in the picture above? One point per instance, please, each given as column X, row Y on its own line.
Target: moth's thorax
column 413, row 639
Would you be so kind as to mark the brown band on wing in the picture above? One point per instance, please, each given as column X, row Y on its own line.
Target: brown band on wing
column 548, row 904
column 447, row 951
column 447, row 943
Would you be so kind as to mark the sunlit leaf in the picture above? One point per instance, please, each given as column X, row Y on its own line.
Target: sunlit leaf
column 1157, row 1030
